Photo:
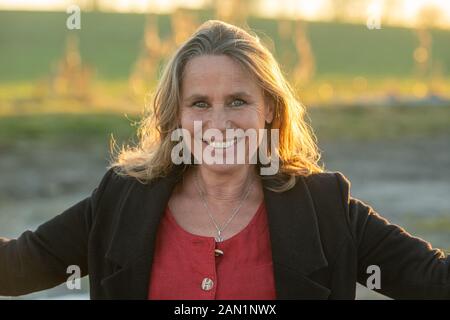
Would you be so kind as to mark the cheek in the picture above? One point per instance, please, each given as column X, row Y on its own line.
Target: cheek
column 253, row 117
column 187, row 120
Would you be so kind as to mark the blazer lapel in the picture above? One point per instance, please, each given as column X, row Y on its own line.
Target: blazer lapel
column 133, row 242
column 294, row 233
column 296, row 247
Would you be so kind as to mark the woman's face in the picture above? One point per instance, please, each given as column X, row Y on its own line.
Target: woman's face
column 221, row 94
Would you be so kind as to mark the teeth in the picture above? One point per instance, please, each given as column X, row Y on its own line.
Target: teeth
column 221, row 144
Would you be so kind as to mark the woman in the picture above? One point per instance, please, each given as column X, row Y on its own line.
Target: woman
column 158, row 228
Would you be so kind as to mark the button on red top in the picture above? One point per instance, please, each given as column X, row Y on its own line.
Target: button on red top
column 185, row 265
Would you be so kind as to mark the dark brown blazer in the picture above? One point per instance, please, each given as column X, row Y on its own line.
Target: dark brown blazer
column 323, row 242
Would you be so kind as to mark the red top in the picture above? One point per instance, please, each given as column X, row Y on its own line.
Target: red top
column 185, row 266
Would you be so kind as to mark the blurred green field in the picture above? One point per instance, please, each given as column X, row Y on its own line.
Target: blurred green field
column 64, row 127
column 31, row 41
column 329, row 124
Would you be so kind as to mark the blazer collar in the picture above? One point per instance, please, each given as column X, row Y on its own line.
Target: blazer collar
column 296, row 246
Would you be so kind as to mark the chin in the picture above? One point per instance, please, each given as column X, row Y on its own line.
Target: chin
column 222, row 168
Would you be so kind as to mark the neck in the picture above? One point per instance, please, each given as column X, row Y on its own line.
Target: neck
column 227, row 186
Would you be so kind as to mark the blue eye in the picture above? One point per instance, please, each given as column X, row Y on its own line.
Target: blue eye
column 238, row 103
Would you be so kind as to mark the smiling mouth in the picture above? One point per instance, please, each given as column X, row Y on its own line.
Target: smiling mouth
column 221, row 144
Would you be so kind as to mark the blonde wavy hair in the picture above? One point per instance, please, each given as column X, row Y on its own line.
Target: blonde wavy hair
column 150, row 158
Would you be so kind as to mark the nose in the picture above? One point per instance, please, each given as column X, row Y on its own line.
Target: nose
column 218, row 119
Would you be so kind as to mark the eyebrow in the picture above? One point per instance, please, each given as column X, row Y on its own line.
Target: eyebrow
column 197, row 96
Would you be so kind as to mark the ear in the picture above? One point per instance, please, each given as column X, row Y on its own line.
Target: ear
column 269, row 111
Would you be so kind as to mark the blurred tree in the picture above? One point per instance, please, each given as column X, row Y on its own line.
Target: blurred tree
column 391, row 9
column 94, row 5
column 155, row 49
column 296, row 52
column 428, row 17
column 145, row 68
column 287, row 54
column 306, row 66
column 184, row 22
column 233, row 11
column 341, row 9
column 422, row 53
column 70, row 78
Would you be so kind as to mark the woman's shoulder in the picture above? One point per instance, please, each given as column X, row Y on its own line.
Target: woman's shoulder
column 329, row 182
column 117, row 182
column 113, row 177
column 113, row 184
column 119, row 176
column 330, row 194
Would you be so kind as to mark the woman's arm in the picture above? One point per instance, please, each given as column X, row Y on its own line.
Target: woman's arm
column 38, row 260
column 409, row 266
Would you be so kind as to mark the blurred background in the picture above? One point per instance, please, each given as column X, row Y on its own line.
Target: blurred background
column 374, row 75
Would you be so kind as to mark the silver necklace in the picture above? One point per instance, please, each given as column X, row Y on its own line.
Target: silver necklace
column 219, row 237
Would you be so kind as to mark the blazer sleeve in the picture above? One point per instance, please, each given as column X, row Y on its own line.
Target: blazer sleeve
column 38, row 260
column 409, row 267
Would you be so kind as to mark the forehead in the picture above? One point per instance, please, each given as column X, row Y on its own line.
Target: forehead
column 216, row 73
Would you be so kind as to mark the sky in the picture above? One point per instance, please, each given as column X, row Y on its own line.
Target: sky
column 404, row 13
